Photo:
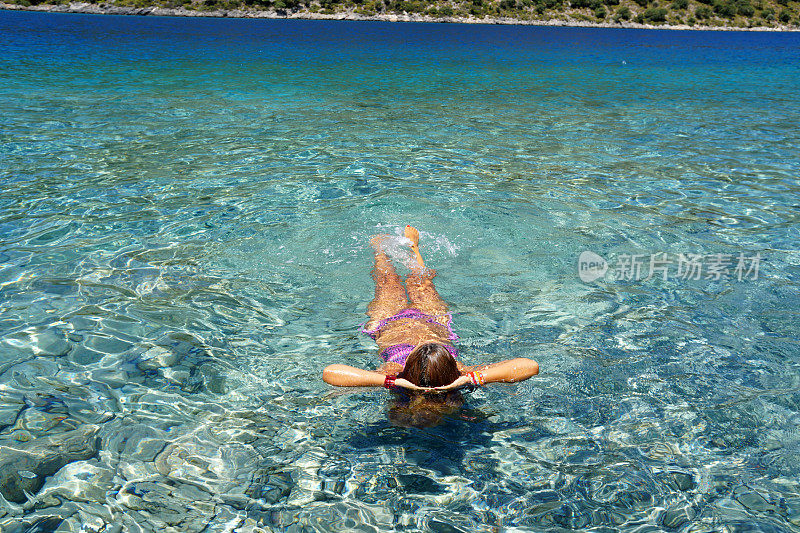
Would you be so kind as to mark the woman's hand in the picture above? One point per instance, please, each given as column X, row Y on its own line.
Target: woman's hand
column 461, row 381
column 402, row 382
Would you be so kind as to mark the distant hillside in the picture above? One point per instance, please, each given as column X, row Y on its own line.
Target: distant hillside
column 777, row 14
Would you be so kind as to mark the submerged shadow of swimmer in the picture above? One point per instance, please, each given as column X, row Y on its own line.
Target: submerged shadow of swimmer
column 444, row 448
column 416, row 344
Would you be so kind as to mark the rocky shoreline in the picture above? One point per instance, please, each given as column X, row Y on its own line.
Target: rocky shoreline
column 107, row 9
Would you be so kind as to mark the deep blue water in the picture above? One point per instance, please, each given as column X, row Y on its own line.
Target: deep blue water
column 184, row 221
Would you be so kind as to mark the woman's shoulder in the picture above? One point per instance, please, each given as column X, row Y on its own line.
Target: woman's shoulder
column 390, row 369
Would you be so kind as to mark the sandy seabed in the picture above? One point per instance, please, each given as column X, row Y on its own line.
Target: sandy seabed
column 105, row 9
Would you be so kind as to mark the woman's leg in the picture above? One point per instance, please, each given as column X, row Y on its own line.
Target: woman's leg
column 421, row 291
column 390, row 295
column 423, row 294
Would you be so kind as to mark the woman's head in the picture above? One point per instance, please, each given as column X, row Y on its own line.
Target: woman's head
column 430, row 365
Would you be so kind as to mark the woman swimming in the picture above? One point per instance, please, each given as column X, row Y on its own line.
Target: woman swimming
column 416, row 342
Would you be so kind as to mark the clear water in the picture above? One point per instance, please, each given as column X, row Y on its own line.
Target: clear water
column 184, row 223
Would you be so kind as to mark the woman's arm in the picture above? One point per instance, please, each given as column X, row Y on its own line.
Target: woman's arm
column 509, row 371
column 350, row 376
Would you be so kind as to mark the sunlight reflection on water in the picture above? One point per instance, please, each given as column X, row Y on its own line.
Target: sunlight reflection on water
column 180, row 258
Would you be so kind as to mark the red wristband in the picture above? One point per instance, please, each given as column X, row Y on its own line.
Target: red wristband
column 389, row 382
column 476, row 378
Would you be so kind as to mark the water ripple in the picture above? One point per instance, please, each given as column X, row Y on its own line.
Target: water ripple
column 182, row 255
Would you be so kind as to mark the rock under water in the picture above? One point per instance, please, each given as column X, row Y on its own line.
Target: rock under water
column 24, row 468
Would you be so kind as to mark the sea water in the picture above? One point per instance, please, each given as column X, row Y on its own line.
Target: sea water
column 184, row 245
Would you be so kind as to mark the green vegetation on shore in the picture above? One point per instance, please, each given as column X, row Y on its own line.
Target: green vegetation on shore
column 711, row 13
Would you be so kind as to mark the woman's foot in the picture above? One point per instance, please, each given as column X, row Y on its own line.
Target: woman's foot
column 412, row 234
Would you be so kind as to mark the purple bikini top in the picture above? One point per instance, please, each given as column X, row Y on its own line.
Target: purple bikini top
column 398, row 353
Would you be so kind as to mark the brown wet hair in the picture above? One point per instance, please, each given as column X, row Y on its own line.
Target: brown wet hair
column 430, row 365
column 422, row 412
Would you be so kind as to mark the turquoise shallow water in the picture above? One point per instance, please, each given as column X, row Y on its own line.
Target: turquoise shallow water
column 184, row 224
